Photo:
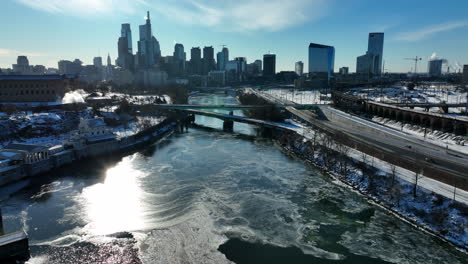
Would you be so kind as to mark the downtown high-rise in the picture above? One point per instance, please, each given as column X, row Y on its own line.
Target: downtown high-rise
column 208, row 60
column 149, row 51
column 371, row 62
column 125, row 57
column 222, row 59
column 321, row 60
column 269, row 65
column 196, row 61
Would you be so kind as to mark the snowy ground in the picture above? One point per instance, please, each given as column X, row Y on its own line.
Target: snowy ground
column 434, row 206
column 404, row 174
column 457, row 143
column 140, row 99
column 421, row 94
column 300, row 97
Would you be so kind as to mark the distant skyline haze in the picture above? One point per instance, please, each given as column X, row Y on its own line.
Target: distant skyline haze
column 51, row 30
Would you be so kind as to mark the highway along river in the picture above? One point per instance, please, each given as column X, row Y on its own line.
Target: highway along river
column 210, row 197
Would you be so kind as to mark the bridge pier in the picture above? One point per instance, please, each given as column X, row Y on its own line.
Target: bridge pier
column 228, row 125
column 265, row 132
column 1, row 223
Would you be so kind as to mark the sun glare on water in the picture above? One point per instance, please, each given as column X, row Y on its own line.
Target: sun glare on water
column 117, row 204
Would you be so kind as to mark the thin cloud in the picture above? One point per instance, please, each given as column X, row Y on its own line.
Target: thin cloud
column 225, row 15
column 243, row 15
column 9, row 52
column 84, row 8
column 429, row 31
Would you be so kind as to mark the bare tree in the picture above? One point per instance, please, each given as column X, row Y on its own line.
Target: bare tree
column 416, row 179
column 396, row 193
column 343, row 150
column 393, row 169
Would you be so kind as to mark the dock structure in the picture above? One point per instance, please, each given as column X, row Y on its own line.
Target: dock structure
column 14, row 246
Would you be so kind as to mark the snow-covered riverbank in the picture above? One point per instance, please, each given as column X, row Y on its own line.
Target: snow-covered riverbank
column 403, row 193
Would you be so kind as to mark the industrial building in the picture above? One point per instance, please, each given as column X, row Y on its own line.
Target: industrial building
column 35, row 88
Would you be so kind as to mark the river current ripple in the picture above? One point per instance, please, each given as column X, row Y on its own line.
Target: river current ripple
column 210, row 197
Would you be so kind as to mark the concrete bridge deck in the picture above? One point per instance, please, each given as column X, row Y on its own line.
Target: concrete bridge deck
column 243, row 119
column 225, row 107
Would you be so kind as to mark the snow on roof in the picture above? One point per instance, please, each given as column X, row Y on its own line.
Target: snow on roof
column 95, row 122
column 25, row 147
column 8, row 154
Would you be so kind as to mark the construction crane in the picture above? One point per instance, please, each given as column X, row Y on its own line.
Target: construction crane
column 416, row 60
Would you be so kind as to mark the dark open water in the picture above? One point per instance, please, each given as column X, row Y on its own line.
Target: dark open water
column 210, row 197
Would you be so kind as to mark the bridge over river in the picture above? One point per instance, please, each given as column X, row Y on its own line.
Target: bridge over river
column 231, row 107
column 228, row 119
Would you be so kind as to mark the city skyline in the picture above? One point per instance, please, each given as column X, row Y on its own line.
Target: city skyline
column 95, row 32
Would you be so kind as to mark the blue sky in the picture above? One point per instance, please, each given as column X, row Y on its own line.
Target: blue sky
column 49, row 30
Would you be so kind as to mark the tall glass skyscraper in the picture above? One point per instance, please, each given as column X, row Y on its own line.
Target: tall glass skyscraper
column 269, row 65
column 196, row 61
column 126, row 32
column 208, row 60
column 321, row 59
column 375, row 48
column 222, row 59
column 148, row 47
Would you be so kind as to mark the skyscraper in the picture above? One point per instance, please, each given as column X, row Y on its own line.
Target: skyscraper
column 465, row 74
column 125, row 57
column 97, row 62
column 371, row 62
column 222, row 59
column 208, row 60
column 321, row 59
column 299, row 68
column 269, row 65
column 195, row 60
column 179, row 59
column 126, row 32
column 435, row 67
column 22, row 65
column 375, row 47
column 149, row 51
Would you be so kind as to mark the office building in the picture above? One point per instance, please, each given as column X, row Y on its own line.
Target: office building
column 125, row 59
column 126, row 32
column 371, row 62
column 208, row 60
column 69, row 67
column 299, row 68
column 22, row 65
column 435, row 67
column 179, row 59
column 255, row 68
column 38, row 69
column 269, row 65
column 365, row 64
column 375, row 47
column 321, row 60
column 222, row 58
column 217, row 78
column 97, row 62
column 465, row 74
column 344, row 70
column 34, row 88
column 149, row 51
column 196, row 61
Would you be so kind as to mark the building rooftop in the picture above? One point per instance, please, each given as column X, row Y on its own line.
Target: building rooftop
column 46, row 77
column 25, row 147
column 315, row 45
